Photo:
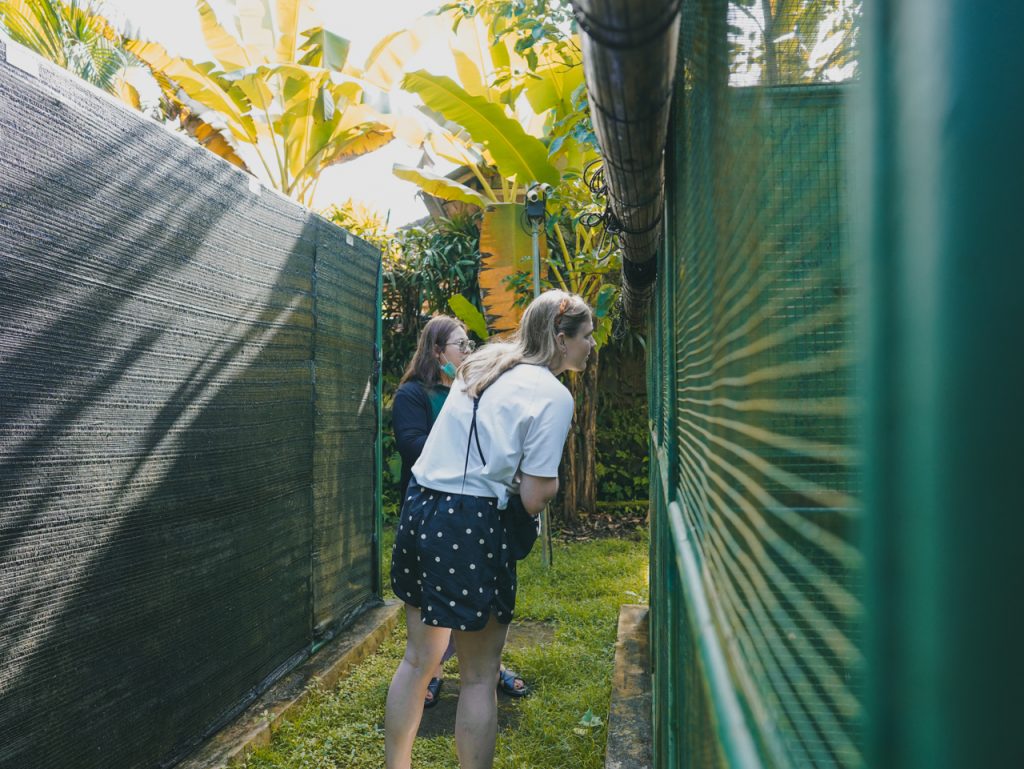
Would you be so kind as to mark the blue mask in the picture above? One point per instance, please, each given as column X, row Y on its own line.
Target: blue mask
column 449, row 370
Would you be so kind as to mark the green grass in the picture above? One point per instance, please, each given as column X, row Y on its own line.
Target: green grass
column 580, row 596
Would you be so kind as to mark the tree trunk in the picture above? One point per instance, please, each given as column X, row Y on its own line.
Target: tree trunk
column 586, row 419
column 579, row 460
column 567, row 514
column 771, row 64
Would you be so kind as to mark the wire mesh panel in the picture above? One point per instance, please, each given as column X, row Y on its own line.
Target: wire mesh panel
column 161, row 439
column 761, row 400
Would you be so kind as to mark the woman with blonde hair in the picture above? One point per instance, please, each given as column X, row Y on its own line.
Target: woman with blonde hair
column 442, row 346
column 490, row 459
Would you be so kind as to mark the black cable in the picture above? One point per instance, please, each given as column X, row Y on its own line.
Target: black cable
column 595, row 183
column 524, row 222
column 620, row 327
column 593, row 177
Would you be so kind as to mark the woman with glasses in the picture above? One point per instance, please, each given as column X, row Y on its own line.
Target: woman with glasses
column 442, row 346
column 490, row 460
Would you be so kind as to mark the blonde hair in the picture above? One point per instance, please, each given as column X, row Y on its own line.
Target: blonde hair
column 550, row 314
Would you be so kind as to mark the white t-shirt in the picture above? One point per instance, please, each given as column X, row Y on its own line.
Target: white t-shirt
column 522, row 421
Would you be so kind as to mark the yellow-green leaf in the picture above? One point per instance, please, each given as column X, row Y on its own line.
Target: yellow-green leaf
column 228, row 51
column 129, row 94
column 553, row 87
column 256, row 90
column 468, row 314
column 440, row 186
column 211, row 138
column 386, row 61
column 453, row 149
column 501, row 57
column 515, row 152
column 200, row 85
column 369, row 137
column 324, row 49
column 255, row 24
column 469, row 74
column 406, row 128
column 288, row 12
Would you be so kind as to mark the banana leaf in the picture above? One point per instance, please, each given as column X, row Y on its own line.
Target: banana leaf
column 514, row 151
column 386, row 62
column 440, row 186
column 221, row 43
column 468, row 314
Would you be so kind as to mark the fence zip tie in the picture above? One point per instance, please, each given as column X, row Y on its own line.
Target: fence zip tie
column 659, row 107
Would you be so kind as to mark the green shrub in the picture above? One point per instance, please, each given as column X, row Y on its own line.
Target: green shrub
column 622, row 450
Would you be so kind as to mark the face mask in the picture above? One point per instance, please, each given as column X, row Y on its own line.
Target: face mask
column 449, row 370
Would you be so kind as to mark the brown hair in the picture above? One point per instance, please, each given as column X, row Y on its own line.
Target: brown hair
column 424, row 367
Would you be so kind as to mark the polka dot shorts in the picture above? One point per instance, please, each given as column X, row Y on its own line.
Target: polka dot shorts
column 451, row 560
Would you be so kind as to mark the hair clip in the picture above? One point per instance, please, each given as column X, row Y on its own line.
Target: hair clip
column 562, row 307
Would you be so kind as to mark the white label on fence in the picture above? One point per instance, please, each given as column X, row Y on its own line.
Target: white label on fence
column 22, row 58
column 349, row 239
column 254, row 185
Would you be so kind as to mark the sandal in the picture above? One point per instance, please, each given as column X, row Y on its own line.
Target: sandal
column 434, row 689
column 507, row 683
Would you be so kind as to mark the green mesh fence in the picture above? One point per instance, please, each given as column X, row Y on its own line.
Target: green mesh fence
column 757, row 569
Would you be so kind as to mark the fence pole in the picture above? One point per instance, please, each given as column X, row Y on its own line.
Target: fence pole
column 942, row 126
column 546, row 549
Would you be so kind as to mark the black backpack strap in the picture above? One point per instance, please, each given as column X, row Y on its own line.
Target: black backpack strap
column 473, row 434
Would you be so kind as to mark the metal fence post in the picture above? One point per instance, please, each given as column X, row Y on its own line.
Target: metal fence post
column 945, row 379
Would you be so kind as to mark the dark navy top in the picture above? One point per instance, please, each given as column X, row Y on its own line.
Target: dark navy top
column 413, row 412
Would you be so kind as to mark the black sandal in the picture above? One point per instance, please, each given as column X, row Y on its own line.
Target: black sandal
column 434, row 688
column 507, row 683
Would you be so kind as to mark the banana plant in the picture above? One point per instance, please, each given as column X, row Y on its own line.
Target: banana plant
column 286, row 96
column 505, row 122
column 496, row 147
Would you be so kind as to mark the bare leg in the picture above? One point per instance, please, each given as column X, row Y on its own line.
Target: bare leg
column 439, row 673
column 423, row 649
column 476, row 720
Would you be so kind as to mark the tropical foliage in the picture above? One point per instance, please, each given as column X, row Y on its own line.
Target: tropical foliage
column 776, row 42
column 515, row 84
column 72, row 34
column 285, row 95
column 281, row 99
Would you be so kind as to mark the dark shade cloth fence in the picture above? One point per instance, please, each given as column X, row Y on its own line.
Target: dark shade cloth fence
column 188, row 423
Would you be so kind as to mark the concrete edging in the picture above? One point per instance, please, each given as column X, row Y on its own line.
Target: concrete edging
column 254, row 727
column 629, row 716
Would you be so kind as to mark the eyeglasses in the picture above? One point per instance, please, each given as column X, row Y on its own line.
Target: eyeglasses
column 464, row 345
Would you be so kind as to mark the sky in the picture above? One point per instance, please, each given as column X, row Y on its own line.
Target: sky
column 175, row 24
